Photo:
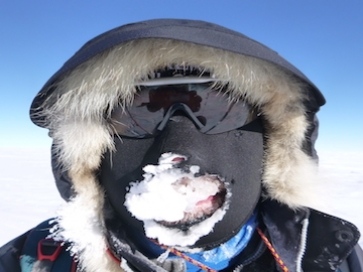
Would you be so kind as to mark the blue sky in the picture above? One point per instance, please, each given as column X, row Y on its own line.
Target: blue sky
column 323, row 38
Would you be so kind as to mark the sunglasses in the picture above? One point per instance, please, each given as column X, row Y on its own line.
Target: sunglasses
column 210, row 110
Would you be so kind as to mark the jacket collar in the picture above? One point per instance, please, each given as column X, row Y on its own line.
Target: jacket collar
column 317, row 241
column 305, row 239
column 326, row 242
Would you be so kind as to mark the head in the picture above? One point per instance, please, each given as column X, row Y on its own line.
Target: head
column 193, row 130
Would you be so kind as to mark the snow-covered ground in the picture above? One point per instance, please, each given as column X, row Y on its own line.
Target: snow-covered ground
column 28, row 194
column 341, row 186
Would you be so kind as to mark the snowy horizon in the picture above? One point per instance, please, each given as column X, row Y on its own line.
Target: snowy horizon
column 29, row 195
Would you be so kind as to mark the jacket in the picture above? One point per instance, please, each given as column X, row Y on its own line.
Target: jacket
column 327, row 244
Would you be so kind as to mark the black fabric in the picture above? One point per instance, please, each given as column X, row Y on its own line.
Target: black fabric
column 311, row 135
column 242, row 173
column 62, row 180
column 254, row 258
column 330, row 239
column 122, row 247
column 336, row 240
column 355, row 260
column 62, row 263
column 284, row 227
column 10, row 253
column 265, row 263
column 198, row 32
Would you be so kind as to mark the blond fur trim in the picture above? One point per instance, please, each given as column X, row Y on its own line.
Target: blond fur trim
column 89, row 93
column 79, row 223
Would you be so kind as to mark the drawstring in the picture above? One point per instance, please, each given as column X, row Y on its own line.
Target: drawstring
column 273, row 251
column 185, row 257
column 165, row 255
column 302, row 248
column 206, row 268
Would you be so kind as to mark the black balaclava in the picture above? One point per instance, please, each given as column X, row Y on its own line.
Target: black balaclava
column 236, row 156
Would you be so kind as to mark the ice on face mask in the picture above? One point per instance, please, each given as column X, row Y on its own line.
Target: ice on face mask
column 173, row 199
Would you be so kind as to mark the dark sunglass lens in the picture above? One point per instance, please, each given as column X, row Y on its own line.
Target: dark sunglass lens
column 164, row 97
column 235, row 117
column 209, row 108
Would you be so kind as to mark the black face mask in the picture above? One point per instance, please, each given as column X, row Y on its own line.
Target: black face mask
column 236, row 156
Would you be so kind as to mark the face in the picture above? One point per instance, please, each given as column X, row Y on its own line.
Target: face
column 180, row 183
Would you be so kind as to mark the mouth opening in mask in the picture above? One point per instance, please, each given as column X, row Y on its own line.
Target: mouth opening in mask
column 178, row 199
column 198, row 210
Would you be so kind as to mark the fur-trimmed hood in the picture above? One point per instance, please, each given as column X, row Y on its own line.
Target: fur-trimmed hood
column 76, row 103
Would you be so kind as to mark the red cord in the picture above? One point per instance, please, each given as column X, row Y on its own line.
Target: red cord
column 208, row 269
column 273, row 251
column 185, row 257
column 113, row 257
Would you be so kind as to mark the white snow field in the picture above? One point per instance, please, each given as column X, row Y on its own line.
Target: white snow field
column 28, row 194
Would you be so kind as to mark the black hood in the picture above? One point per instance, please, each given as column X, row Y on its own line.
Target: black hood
column 198, row 32
column 76, row 104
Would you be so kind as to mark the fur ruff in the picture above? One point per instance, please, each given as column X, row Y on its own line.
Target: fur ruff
column 75, row 113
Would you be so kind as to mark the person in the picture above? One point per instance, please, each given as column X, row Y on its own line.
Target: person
column 181, row 145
